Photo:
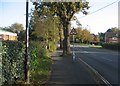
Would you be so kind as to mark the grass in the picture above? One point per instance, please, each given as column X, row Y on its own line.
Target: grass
column 41, row 74
column 82, row 44
column 95, row 46
column 40, row 77
column 92, row 46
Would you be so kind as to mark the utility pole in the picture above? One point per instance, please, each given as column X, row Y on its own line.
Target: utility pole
column 27, row 63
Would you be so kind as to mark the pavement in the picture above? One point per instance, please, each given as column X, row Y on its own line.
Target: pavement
column 66, row 72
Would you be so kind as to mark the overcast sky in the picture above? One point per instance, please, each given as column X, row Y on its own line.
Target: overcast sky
column 12, row 11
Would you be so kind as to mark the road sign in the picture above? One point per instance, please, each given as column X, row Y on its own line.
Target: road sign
column 73, row 32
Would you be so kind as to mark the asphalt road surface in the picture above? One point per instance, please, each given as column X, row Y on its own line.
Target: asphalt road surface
column 102, row 60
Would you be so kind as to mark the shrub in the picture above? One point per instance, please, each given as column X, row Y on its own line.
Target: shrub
column 113, row 46
column 13, row 54
column 53, row 47
column 40, row 63
column 12, row 61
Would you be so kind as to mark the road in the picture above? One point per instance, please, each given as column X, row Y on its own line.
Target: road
column 102, row 60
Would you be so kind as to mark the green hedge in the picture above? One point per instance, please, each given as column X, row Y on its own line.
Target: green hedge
column 13, row 53
column 12, row 61
column 113, row 46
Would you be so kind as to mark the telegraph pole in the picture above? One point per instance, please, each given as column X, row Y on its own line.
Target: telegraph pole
column 27, row 45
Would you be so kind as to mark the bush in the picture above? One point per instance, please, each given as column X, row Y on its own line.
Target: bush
column 13, row 54
column 12, row 61
column 53, row 47
column 113, row 46
column 40, row 63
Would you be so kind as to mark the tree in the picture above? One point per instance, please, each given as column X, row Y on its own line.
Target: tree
column 19, row 29
column 44, row 28
column 5, row 28
column 101, row 37
column 65, row 11
column 16, row 27
column 79, row 34
column 21, row 36
column 97, row 39
column 61, row 35
column 86, row 36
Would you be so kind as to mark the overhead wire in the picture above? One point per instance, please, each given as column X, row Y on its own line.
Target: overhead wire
column 101, row 8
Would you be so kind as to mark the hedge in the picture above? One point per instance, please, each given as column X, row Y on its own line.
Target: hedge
column 112, row 46
column 12, row 61
column 13, row 53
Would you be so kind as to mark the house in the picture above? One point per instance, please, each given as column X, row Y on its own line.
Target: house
column 111, row 36
column 5, row 35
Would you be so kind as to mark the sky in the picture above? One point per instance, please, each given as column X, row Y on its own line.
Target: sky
column 102, row 20
column 12, row 11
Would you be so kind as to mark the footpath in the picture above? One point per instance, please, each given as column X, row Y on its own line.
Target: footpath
column 65, row 72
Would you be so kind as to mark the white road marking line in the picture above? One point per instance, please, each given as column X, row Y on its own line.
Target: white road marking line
column 96, row 72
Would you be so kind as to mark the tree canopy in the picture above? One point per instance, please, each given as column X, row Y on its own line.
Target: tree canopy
column 65, row 11
column 44, row 28
column 16, row 27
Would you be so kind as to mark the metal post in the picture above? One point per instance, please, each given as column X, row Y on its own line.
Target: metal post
column 73, row 49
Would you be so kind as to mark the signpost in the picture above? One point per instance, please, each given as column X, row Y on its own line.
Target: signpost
column 73, row 33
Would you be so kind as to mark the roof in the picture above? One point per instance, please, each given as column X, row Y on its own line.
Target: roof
column 3, row 32
column 109, row 30
column 111, row 34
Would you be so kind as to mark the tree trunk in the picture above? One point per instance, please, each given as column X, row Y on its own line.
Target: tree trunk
column 66, row 42
column 60, row 35
column 61, row 43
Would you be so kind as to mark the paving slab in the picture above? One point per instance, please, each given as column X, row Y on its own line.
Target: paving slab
column 66, row 72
